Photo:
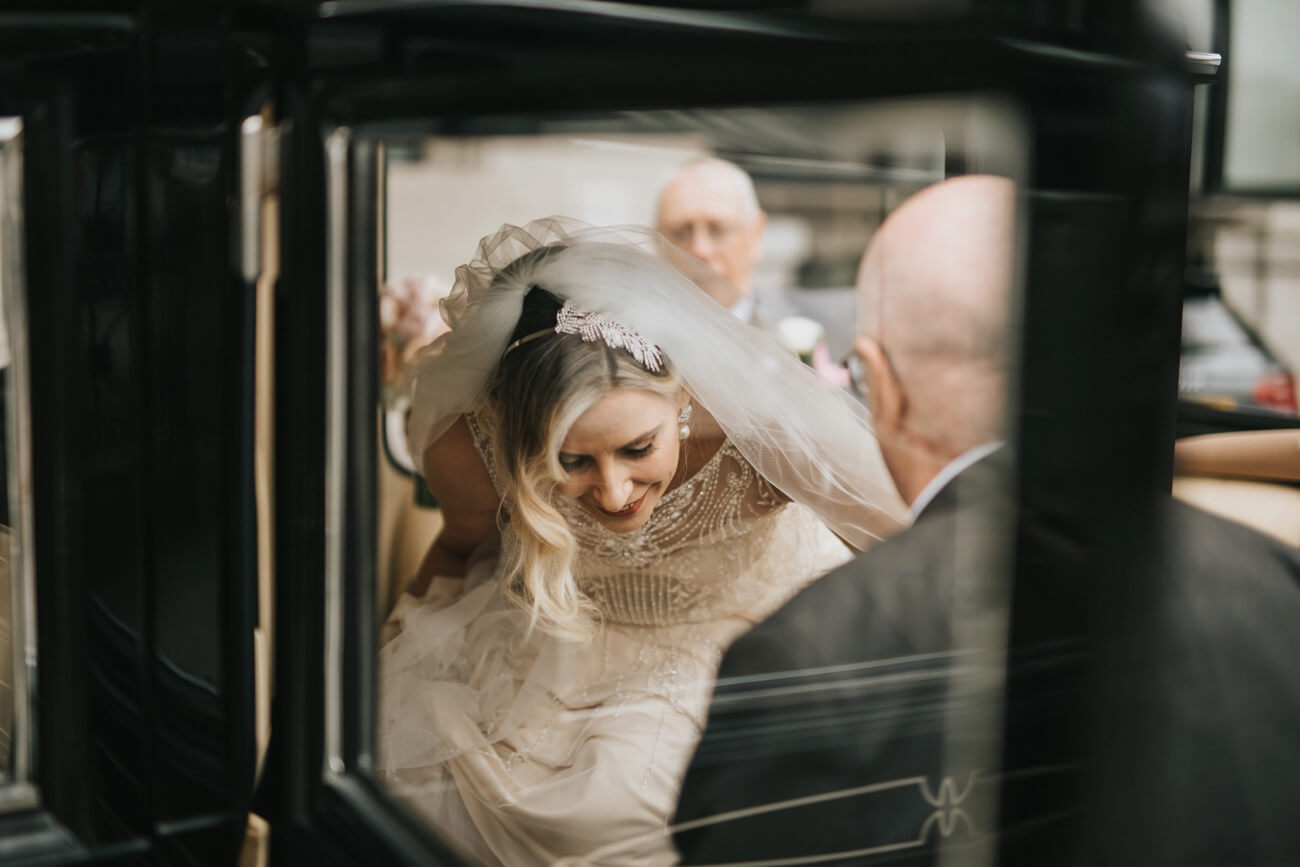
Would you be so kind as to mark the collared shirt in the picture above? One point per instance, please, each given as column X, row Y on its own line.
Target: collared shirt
column 948, row 473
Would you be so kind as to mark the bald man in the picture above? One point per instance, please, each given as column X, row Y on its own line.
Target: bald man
column 709, row 209
column 934, row 295
column 860, row 721
column 863, row 724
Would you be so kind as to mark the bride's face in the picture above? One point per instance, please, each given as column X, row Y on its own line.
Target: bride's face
column 620, row 456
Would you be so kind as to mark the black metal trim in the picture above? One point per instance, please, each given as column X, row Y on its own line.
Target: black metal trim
column 63, row 746
column 321, row 814
column 1216, row 123
column 360, row 634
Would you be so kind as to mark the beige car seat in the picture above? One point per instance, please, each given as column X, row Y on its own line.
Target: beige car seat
column 405, row 529
column 1252, row 478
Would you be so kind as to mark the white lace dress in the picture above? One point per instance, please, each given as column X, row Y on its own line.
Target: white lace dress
column 535, row 750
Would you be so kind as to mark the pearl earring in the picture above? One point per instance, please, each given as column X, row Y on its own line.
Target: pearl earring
column 684, row 421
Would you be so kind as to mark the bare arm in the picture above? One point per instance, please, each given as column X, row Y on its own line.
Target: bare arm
column 469, row 504
column 1271, row 454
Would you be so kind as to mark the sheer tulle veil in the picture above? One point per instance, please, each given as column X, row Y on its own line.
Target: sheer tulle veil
column 811, row 441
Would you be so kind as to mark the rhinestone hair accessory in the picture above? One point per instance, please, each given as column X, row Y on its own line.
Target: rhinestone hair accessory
column 593, row 326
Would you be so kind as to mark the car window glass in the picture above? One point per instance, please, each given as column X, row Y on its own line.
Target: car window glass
column 1262, row 112
column 1241, row 308
column 825, row 177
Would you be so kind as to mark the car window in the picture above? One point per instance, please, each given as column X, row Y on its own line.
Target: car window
column 1240, row 339
column 1259, row 152
column 823, row 178
column 1207, row 323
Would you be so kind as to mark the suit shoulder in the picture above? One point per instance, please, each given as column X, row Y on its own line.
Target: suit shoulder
column 1228, row 577
column 1199, row 536
column 871, row 607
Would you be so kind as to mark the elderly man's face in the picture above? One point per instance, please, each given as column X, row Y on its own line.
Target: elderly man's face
column 707, row 219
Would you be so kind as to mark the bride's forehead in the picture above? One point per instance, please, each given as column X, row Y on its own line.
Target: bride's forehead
column 619, row 414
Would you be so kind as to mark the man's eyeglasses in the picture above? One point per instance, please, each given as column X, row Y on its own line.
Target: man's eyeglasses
column 717, row 233
column 857, row 375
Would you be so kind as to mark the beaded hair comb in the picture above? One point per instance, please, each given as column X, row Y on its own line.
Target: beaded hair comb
column 595, row 326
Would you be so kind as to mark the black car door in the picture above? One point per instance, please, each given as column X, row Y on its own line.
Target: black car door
column 1105, row 100
column 192, row 208
column 129, row 538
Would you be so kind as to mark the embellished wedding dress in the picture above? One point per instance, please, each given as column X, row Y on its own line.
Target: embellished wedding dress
column 527, row 749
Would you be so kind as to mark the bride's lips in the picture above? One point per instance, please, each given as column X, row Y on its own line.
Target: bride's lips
column 627, row 511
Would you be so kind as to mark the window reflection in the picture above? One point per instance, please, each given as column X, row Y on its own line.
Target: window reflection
column 1238, row 415
column 17, row 647
column 1241, row 308
column 768, row 212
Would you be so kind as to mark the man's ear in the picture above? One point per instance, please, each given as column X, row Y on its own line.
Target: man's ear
column 888, row 402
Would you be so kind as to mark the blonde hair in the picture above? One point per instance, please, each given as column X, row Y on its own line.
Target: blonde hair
column 538, row 391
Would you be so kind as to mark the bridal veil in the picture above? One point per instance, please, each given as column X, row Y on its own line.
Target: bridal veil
column 812, row 442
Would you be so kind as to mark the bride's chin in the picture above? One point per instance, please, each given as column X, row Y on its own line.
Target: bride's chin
column 624, row 523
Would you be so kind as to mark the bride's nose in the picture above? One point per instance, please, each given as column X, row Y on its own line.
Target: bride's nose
column 613, row 488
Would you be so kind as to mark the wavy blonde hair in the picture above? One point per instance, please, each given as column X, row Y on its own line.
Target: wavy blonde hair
column 538, row 391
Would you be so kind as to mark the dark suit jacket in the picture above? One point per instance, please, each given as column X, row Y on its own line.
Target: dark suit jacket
column 851, row 695
column 1203, row 756
column 851, row 708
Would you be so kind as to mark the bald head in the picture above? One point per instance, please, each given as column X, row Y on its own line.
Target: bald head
column 934, row 291
column 709, row 209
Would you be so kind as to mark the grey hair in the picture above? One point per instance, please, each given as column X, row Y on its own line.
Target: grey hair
column 736, row 178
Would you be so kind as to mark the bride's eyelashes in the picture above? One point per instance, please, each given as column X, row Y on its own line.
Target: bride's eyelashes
column 641, row 451
column 574, row 463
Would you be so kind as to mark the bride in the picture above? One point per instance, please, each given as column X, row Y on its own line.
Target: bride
column 630, row 478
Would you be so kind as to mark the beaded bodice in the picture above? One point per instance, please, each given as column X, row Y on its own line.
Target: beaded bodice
column 685, row 563
column 526, row 747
